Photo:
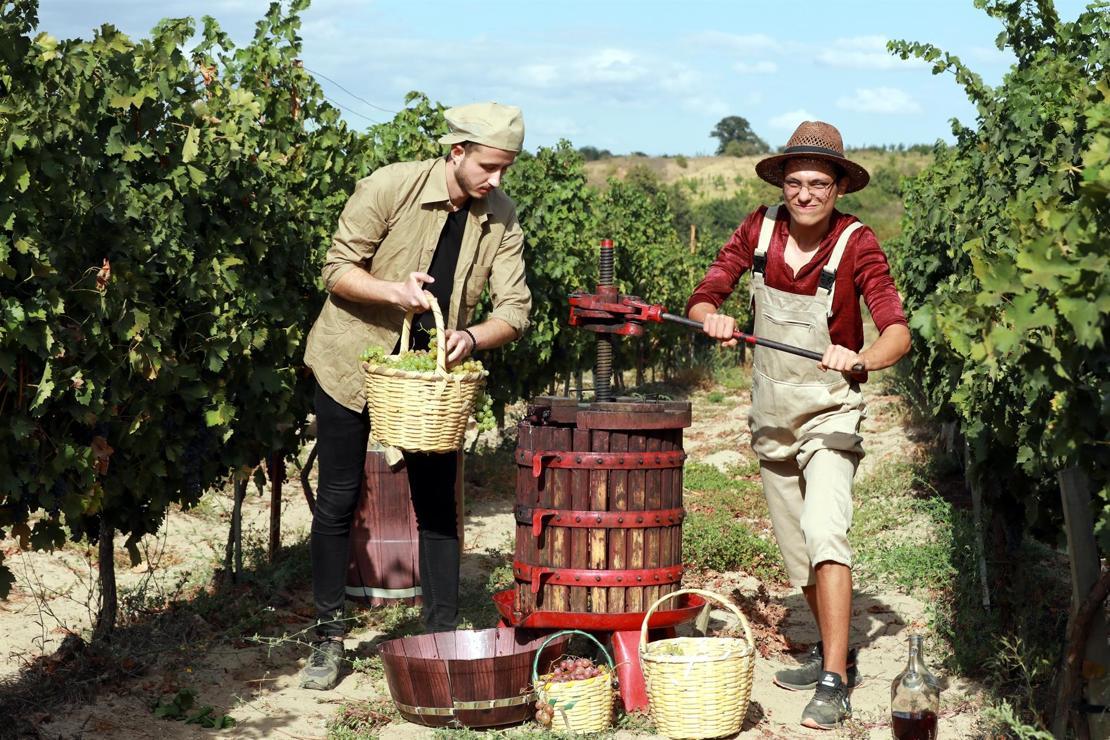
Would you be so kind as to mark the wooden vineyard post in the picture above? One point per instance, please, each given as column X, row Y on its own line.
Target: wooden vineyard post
column 277, row 477
column 1085, row 573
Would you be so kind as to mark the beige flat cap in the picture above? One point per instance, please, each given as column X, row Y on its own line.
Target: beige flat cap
column 491, row 124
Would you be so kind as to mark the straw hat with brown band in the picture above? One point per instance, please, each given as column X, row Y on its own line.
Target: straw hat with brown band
column 814, row 140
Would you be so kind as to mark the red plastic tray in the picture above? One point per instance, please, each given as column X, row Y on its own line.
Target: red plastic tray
column 689, row 605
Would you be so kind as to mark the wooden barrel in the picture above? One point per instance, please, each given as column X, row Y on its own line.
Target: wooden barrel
column 598, row 505
column 476, row 678
column 384, row 565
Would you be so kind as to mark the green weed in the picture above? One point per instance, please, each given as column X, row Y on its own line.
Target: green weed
column 703, row 477
column 719, row 542
column 733, row 377
column 713, row 490
column 182, row 707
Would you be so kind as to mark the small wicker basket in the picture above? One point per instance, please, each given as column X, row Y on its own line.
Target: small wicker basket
column 580, row 706
column 421, row 411
column 698, row 687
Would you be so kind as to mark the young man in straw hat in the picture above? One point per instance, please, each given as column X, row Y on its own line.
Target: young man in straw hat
column 442, row 226
column 810, row 264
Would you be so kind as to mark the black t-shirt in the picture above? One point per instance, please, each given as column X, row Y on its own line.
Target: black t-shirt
column 444, row 261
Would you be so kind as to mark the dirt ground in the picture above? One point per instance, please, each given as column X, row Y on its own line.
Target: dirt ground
column 257, row 683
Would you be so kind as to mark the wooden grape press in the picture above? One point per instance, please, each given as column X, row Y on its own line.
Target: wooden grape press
column 599, row 502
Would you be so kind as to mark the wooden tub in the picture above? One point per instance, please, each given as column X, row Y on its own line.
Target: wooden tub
column 473, row 678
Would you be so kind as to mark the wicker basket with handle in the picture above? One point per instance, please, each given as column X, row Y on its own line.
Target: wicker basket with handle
column 421, row 411
column 585, row 705
column 698, row 687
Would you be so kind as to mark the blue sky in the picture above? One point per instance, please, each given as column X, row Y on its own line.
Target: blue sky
column 624, row 75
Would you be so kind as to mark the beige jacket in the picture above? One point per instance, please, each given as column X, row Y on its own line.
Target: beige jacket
column 390, row 227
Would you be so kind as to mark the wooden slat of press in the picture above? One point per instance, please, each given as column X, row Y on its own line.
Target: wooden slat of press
column 561, row 438
column 525, row 550
column 618, row 538
column 666, row 499
column 652, row 500
column 544, row 490
column 676, row 482
column 634, row 597
column 579, row 537
column 599, row 501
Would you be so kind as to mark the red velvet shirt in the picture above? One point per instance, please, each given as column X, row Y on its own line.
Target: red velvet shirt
column 863, row 271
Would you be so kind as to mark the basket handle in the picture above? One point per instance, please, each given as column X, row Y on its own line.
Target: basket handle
column 704, row 594
column 441, row 340
column 536, row 661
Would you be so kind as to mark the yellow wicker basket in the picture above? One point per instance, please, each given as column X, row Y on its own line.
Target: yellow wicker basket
column 421, row 411
column 698, row 687
column 580, row 706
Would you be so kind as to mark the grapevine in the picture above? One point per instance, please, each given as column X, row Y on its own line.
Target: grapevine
column 1004, row 269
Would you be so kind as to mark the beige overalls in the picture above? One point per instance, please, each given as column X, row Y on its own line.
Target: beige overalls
column 804, row 422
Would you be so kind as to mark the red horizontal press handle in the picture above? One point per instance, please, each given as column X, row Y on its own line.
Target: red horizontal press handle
column 769, row 343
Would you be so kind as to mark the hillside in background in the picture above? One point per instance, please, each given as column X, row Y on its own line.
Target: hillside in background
column 720, row 191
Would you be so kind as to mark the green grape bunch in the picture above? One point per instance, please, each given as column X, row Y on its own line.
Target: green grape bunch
column 483, row 412
column 422, row 361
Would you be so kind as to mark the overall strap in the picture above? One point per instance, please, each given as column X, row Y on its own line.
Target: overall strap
column 827, row 284
column 759, row 257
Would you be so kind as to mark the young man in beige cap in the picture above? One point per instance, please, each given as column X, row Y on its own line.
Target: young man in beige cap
column 442, row 226
column 810, row 264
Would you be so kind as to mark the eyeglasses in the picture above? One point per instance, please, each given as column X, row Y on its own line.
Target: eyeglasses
column 820, row 189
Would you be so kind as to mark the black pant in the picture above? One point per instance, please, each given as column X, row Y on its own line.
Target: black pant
column 341, row 437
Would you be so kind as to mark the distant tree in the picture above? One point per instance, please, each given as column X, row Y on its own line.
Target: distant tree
column 592, row 153
column 737, row 138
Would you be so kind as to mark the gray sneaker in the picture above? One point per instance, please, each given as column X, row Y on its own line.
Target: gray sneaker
column 321, row 671
column 806, row 676
column 829, row 706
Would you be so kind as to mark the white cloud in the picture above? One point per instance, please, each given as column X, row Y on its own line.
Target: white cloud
column 864, row 52
column 708, row 106
column 879, row 100
column 789, row 121
column 755, row 68
column 555, row 127
column 679, row 79
column 750, row 43
column 540, row 75
column 608, row 65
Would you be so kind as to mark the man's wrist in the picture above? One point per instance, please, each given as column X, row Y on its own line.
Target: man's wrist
column 473, row 340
